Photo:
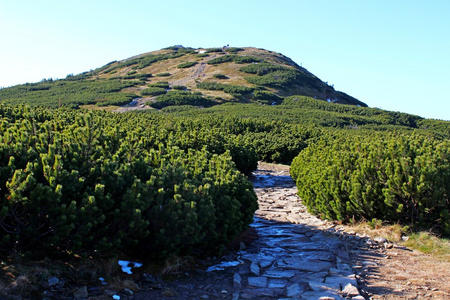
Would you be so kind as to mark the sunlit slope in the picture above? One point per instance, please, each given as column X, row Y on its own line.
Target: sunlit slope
column 179, row 75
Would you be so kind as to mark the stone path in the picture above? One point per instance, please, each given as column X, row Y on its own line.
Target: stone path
column 295, row 256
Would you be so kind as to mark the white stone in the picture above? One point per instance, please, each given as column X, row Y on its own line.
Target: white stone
column 350, row 291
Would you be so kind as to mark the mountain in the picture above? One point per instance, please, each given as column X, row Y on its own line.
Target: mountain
column 180, row 75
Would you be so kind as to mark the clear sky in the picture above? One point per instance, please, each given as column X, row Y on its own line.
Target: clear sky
column 394, row 55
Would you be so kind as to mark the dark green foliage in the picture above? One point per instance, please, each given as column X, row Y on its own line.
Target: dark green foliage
column 179, row 87
column 266, row 97
column 166, row 74
column 98, row 183
column 161, row 84
column 153, row 91
column 181, row 98
column 241, row 59
column 178, row 108
column 235, row 90
column 393, row 177
column 72, row 93
column 210, row 85
column 233, row 58
column 202, row 55
column 187, row 64
column 212, row 50
column 358, row 115
column 233, row 50
column 220, row 60
column 274, row 75
column 220, row 76
column 138, row 76
column 263, row 68
column 275, row 79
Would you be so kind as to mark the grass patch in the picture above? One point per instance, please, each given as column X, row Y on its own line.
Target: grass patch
column 187, row 64
column 430, row 244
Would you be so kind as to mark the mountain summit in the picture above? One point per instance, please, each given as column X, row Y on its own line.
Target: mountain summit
column 180, row 75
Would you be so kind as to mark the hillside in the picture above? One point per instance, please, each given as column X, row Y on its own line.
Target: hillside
column 177, row 76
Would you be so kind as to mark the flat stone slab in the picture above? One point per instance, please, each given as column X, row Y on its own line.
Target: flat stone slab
column 260, row 282
column 342, row 281
column 279, row 273
column 307, row 265
column 277, row 283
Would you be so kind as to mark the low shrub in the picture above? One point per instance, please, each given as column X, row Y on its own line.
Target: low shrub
column 93, row 183
column 181, row 98
column 161, row 84
column 220, row 76
column 212, row 50
column 187, row 64
column 153, row 91
column 386, row 176
column 165, row 74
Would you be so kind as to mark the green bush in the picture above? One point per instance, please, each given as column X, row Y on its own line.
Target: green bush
column 181, row 98
column 95, row 183
column 220, row 76
column 233, row 58
column 179, row 87
column 161, row 84
column 153, row 91
column 212, row 50
column 392, row 177
column 187, row 64
column 233, row 50
column 266, row 97
column 166, row 74
column 220, row 60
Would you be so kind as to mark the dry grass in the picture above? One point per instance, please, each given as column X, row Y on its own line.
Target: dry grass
column 376, row 228
column 428, row 243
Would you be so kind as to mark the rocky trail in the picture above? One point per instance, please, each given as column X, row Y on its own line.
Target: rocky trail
column 294, row 255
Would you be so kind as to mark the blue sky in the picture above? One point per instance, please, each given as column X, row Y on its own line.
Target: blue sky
column 394, row 55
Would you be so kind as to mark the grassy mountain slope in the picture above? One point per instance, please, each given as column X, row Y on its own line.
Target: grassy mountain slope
column 203, row 77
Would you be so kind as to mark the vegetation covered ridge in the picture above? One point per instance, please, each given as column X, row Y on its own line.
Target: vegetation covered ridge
column 202, row 77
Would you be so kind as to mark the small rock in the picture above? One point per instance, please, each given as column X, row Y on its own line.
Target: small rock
column 128, row 292
column 204, row 297
column 235, row 296
column 293, row 291
column 169, row 293
column 53, row 281
column 254, row 269
column 81, row 293
column 257, row 282
column 350, row 291
column 405, row 238
column 224, row 292
column 237, row 284
column 380, row 240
